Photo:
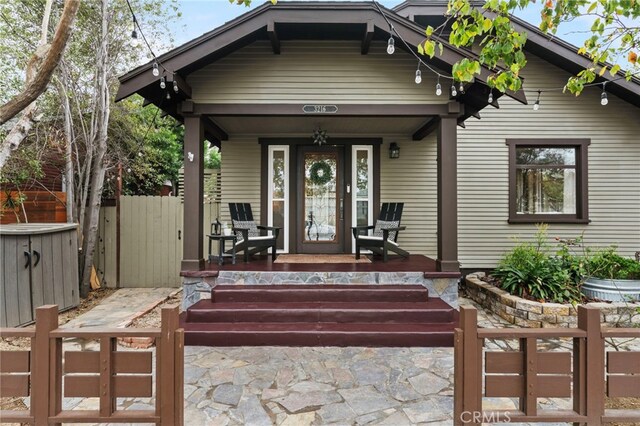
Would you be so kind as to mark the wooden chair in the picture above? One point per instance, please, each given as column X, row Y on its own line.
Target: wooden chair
column 251, row 238
column 385, row 233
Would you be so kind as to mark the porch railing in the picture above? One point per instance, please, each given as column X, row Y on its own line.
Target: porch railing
column 46, row 373
column 587, row 373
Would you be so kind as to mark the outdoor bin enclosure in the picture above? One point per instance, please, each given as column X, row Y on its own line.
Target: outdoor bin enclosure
column 39, row 267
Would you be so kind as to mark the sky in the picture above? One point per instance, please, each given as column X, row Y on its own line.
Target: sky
column 201, row 16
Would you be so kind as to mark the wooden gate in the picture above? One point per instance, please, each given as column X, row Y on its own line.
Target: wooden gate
column 150, row 241
column 586, row 374
column 47, row 373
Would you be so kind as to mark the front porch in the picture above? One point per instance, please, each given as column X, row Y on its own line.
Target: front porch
column 417, row 269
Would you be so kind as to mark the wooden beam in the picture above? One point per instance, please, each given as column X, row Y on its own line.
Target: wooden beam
column 273, row 36
column 368, row 36
column 343, row 110
column 426, row 129
column 183, row 87
column 192, row 251
column 447, row 194
column 214, row 130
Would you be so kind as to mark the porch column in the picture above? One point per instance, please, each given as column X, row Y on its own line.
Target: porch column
column 448, row 193
column 192, row 252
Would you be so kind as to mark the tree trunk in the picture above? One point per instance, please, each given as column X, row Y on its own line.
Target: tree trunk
column 38, row 84
column 101, row 122
column 21, row 130
column 68, row 139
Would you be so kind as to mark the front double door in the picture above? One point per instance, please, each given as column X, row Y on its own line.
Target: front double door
column 321, row 214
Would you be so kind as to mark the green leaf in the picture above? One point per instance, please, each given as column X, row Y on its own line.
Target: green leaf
column 430, row 48
column 429, row 31
column 592, row 7
column 487, row 24
column 614, row 70
column 420, row 49
column 602, row 71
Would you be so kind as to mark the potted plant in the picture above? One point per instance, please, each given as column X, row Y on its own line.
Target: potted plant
column 612, row 277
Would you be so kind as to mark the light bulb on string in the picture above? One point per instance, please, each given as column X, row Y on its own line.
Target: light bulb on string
column 135, row 42
column 461, row 89
column 418, row 75
column 175, row 85
column 454, row 92
column 168, row 95
column 391, row 46
column 155, row 71
column 490, row 99
column 536, row 105
column 163, row 83
column 438, row 87
column 603, row 97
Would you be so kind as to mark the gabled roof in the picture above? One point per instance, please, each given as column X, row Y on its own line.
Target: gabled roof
column 290, row 20
column 552, row 49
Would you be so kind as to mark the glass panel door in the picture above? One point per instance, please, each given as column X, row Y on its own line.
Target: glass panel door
column 278, row 213
column 362, row 198
column 322, row 203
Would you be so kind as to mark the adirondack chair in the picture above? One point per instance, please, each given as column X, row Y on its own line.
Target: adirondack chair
column 250, row 239
column 385, row 233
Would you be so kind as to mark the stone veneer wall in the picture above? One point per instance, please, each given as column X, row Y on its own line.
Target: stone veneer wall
column 199, row 287
column 532, row 314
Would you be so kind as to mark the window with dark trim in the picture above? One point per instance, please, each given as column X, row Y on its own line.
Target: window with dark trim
column 548, row 180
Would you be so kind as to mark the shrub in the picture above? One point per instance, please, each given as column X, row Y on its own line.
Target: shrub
column 529, row 271
column 608, row 264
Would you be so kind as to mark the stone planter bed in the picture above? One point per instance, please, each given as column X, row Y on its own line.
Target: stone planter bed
column 532, row 314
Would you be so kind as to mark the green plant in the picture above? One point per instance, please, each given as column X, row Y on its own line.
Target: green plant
column 529, row 271
column 608, row 264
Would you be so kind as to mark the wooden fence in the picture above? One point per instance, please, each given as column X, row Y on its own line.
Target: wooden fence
column 150, row 241
column 46, row 373
column 586, row 374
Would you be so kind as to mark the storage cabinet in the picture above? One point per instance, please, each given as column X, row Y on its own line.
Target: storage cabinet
column 39, row 266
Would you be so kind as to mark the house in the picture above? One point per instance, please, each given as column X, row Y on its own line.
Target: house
column 472, row 171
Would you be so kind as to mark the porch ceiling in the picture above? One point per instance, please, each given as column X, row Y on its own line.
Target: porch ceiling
column 335, row 126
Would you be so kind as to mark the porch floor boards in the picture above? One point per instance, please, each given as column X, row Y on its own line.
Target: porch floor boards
column 414, row 263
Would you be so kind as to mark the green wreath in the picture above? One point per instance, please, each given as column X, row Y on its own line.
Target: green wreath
column 320, row 173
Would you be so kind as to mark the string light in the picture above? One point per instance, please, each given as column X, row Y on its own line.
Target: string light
column 155, row 71
column 391, row 46
column 490, row 99
column 461, row 89
column 603, row 97
column 418, row 75
column 454, row 92
column 536, row 106
column 438, row 87
column 168, row 95
column 163, row 83
column 175, row 84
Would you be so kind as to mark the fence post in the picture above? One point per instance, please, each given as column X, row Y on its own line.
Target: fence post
column 166, row 370
column 589, row 321
column 472, row 365
column 46, row 321
column 178, row 373
column 458, row 375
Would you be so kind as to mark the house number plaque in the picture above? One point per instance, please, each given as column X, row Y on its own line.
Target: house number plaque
column 320, row 109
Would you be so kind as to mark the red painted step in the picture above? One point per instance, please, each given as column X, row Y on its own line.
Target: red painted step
column 434, row 310
column 319, row 334
column 320, row 315
column 319, row 293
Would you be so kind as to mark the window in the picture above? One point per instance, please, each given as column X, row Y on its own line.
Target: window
column 548, row 180
column 278, row 181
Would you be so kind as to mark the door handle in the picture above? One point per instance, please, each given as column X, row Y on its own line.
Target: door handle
column 179, row 234
column 35, row 252
column 28, row 256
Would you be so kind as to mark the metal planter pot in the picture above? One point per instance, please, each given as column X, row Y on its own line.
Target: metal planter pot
column 612, row 290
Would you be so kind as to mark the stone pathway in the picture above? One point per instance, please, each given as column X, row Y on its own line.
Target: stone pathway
column 288, row 386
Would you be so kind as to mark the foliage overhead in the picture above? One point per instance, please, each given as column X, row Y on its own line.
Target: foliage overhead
column 614, row 38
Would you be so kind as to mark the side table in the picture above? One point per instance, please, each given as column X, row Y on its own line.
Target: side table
column 221, row 239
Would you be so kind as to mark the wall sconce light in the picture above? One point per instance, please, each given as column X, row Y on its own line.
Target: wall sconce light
column 190, row 156
column 394, row 150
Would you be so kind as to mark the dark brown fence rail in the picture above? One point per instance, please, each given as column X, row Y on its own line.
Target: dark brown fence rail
column 46, row 373
column 586, row 374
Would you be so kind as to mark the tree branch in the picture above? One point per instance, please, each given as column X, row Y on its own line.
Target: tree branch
column 38, row 84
